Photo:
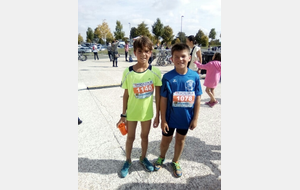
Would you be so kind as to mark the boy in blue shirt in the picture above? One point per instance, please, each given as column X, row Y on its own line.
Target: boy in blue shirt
column 179, row 105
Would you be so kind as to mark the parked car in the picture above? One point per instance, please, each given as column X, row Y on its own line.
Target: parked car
column 84, row 49
column 104, row 47
column 120, row 46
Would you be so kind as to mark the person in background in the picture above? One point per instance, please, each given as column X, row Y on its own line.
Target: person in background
column 213, row 76
column 114, row 51
column 95, row 50
column 109, row 51
column 195, row 52
column 126, row 48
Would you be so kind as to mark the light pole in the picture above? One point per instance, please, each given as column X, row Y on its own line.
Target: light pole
column 104, row 33
column 181, row 24
column 129, row 33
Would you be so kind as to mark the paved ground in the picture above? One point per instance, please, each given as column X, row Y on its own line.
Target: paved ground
column 101, row 147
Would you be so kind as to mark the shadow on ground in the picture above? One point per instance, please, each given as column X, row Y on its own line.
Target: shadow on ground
column 195, row 150
column 208, row 182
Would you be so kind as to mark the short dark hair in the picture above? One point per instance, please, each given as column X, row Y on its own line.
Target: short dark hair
column 141, row 42
column 180, row 47
column 217, row 56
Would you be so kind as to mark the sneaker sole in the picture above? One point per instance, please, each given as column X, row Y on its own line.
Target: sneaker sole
column 158, row 167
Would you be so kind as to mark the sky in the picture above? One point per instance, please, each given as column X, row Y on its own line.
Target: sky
column 197, row 14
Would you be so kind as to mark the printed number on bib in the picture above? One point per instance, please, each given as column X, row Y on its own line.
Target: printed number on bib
column 183, row 99
column 143, row 90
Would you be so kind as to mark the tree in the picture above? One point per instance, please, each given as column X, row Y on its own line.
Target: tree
column 198, row 36
column 158, row 29
column 133, row 32
column 80, row 39
column 89, row 35
column 176, row 41
column 142, row 29
column 119, row 34
column 212, row 34
column 167, row 35
column 204, row 41
column 181, row 36
column 103, row 33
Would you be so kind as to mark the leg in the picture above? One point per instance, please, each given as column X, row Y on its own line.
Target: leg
column 130, row 138
column 131, row 126
column 146, row 125
column 164, row 145
column 208, row 91
column 212, row 90
column 116, row 62
column 179, row 144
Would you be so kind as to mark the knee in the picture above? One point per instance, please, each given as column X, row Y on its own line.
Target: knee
column 166, row 141
column 180, row 141
column 130, row 139
column 144, row 137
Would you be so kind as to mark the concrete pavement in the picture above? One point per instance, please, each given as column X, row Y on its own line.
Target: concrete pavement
column 101, row 146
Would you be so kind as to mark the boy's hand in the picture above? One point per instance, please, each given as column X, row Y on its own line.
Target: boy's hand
column 193, row 124
column 156, row 122
column 164, row 127
column 122, row 119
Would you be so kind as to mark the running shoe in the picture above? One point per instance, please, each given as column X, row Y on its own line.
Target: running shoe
column 158, row 164
column 147, row 165
column 177, row 169
column 125, row 169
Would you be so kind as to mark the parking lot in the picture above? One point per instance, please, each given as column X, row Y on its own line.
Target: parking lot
column 101, row 147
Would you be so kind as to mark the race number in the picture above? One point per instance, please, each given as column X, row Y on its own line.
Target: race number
column 143, row 90
column 183, row 99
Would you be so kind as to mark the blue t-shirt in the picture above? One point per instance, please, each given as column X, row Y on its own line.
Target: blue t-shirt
column 181, row 92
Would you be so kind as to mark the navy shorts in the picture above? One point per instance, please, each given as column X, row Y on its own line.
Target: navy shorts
column 171, row 132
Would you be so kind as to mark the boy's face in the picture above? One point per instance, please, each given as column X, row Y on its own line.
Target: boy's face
column 181, row 59
column 142, row 55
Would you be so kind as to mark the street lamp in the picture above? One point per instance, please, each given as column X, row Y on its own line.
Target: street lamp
column 181, row 24
column 129, row 33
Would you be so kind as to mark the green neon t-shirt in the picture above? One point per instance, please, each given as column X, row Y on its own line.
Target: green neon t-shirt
column 140, row 88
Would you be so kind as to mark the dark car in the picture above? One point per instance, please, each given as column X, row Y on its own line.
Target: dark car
column 206, row 57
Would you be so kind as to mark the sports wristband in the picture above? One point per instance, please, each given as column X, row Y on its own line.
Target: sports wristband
column 122, row 115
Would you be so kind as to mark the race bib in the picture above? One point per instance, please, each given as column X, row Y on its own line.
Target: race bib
column 183, row 99
column 143, row 90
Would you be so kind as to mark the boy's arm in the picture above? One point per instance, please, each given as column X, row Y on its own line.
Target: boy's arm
column 125, row 101
column 157, row 104
column 163, row 109
column 196, row 113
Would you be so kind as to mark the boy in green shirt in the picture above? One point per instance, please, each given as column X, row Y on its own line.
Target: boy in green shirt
column 139, row 82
